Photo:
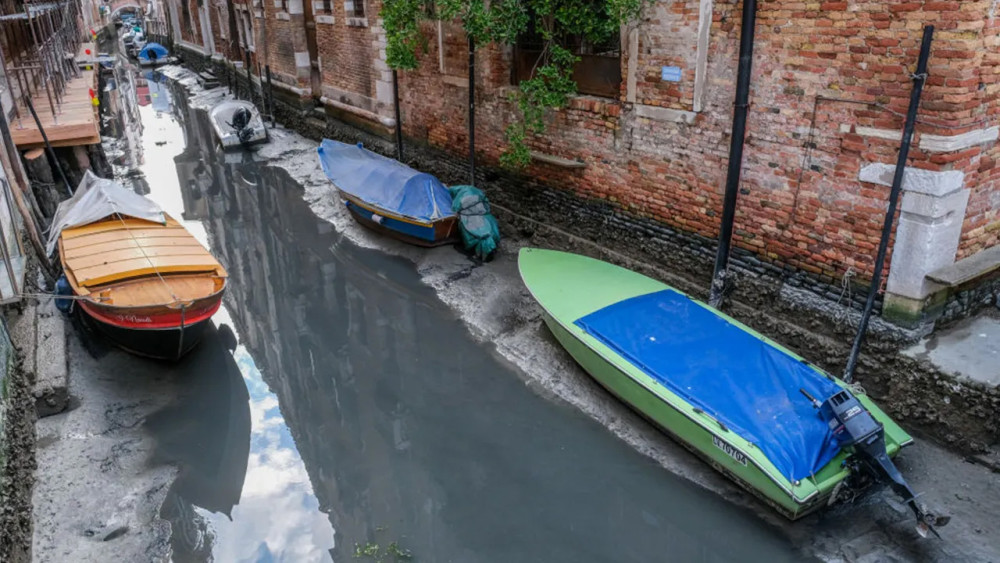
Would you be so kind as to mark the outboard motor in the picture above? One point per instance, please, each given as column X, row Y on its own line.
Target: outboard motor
column 241, row 124
column 855, row 428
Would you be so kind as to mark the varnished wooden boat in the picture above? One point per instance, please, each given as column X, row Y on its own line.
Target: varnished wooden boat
column 149, row 287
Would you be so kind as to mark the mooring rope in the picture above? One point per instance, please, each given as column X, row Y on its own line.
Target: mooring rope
column 41, row 295
column 845, row 290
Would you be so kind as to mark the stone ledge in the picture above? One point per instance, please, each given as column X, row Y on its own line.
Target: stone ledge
column 887, row 134
column 914, row 179
column 665, row 114
column 557, row 160
column 951, row 143
column 452, row 80
column 968, row 269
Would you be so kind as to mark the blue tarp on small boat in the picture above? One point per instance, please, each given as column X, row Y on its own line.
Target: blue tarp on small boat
column 384, row 182
column 153, row 52
column 738, row 378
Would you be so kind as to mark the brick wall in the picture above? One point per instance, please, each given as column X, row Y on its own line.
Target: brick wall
column 801, row 200
column 190, row 21
column 346, row 50
column 830, row 84
column 282, row 37
column 982, row 220
column 219, row 18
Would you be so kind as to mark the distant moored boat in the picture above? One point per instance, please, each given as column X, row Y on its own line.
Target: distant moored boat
column 237, row 123
column 389, row 197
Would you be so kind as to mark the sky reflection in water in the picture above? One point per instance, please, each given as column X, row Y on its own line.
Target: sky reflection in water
column 278, row 516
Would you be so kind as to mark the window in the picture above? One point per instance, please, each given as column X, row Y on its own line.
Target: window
column 186, row 15
column 597, row 73
column 327, row 6
column 356, row 8
column 248, row 28
column 222, row 18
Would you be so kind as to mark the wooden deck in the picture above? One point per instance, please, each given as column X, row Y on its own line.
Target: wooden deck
column 116, row 250
column 76, row 122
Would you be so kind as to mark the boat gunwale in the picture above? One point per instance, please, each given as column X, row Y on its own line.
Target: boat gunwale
column 452, row 216
column 90, row 296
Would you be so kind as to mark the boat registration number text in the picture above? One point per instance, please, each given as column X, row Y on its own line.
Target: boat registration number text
column 730, row 450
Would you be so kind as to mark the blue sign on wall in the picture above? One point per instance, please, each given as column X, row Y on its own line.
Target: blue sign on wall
column 670, row 73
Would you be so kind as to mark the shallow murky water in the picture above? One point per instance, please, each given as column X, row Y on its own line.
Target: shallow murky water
column 340, row 405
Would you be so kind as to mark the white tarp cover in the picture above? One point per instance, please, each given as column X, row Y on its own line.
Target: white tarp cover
column 97, row 198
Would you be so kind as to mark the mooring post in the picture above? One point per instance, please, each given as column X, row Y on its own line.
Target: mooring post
column 736, row 139
column 270, row 94
column 919, row 79
column 48, row 146
column 472, row 110
column 249, row 79
column 399, row 121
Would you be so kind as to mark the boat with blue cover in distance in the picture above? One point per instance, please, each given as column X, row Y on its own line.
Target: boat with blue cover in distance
column 765, row 417
column 153, row 54
column 390, row 197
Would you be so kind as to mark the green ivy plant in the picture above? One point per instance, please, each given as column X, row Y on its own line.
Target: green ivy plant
column 551, row 83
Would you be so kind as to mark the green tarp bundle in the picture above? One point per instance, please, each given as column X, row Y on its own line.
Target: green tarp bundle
column 480, row 232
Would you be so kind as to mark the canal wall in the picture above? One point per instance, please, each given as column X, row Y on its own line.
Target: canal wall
column 815, row 315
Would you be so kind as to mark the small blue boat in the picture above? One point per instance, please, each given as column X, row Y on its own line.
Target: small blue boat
column 153, row 54
column 389, row 197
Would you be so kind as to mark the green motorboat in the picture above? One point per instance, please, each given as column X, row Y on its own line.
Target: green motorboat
column 768, row 419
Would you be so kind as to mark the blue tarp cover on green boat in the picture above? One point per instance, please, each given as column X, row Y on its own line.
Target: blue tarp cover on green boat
column 748, row 384
column 384, row 182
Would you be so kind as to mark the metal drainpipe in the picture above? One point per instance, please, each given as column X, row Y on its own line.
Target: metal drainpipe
column 919, row 78
column 740, row 109
column 399, row 121
column 472, row 110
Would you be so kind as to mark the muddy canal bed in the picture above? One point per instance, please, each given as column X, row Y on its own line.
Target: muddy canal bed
column 356, row 394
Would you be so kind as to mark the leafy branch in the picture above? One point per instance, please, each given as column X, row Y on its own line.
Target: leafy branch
column 550, row 84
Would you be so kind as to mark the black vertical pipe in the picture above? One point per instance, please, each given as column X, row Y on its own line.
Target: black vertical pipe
column 270, row 94
column 472, row 111
column 740, row 108
column 48, row 147
column 399, row 121
column 919, row 78
column 249, row 80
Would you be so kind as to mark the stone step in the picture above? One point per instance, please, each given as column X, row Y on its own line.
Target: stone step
column 208, row 80
column 39, row 332
column 52, row 375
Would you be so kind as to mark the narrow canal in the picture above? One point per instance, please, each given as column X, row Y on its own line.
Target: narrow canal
column 339, row 406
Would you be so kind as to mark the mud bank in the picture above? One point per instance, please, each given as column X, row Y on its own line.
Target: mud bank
column 816, row 316
column 17, row 445
column 97, row 498
column 493, row 303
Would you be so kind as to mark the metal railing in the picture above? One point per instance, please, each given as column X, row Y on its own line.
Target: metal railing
column 40, row 42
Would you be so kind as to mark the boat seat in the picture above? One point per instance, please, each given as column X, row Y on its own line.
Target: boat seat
column 109, row 251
